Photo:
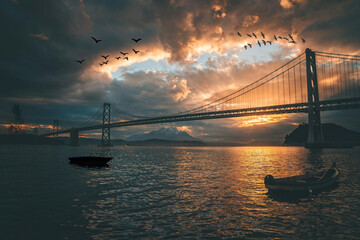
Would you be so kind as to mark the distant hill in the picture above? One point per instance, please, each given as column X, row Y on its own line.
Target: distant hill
column 332, row 133
column 150, row 142
column 170, row 134
column 159, row 142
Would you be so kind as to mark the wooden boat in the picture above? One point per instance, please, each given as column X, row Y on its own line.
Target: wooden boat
column 90, row 160
column 304, row 183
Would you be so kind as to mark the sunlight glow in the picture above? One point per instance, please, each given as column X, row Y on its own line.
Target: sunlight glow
column 260, row 120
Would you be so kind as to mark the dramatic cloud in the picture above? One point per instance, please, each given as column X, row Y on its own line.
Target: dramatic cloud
column 290, row 3
column 250, row 20
column 190, row 54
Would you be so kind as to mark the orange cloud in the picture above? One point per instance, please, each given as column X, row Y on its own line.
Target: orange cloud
column 187, row 129
column 219, row 11
column 89, row 135
column 40, row 36
column 27, row 127
column 250, row 20
column 148, row 52
column 286, row 4
column 180, row 89
column 260, row 120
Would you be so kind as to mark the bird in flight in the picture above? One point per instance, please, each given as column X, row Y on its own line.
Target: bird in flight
column 292, row 42
column 135, row 51
column 279, row 37
column 269, row 42
column 106, row 62
column 126, row 58
column 275, row 38
column 239, row 34
column 117, row 58
column 136, row 40
column 264, row 42
column 290, row 37
column 245, row 47
column 249, row 35
column 101, row 64
column 124, row 53
column 105, row 56
column 80, row 61
column 249, row 45
column 303, row 40
column 262, row 35
column 254, row 35
column 96, row 40
column 259, row 44
column 286, row 38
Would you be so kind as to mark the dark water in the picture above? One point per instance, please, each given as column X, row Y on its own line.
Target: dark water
column 162, row 193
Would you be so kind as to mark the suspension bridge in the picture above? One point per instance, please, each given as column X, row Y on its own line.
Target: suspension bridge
column 310, row 83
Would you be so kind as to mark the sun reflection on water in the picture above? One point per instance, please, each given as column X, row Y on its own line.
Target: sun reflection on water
column 200, row 191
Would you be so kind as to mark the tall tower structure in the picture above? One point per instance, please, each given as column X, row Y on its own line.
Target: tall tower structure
column 56, row 129
column 315, row 134
column 105, row 136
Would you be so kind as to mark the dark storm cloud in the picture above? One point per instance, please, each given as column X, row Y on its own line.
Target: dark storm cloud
column 30, row 67
column 47, row 69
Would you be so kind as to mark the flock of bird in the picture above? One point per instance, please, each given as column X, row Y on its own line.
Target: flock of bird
column 259, row 42
column 268, row 42
column 106, row 56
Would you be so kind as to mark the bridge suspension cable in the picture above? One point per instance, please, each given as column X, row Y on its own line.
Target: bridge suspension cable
column 121, row 112
column 247, row 93
column 95, row 117
column 338, row 75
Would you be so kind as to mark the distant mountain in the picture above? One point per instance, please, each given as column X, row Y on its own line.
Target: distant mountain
column 170, row 134
column 159, row 142
column 332, row 133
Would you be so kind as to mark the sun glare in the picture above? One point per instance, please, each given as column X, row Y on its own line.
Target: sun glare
column 260, row 120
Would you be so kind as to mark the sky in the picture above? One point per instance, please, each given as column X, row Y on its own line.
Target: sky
column 190, row 54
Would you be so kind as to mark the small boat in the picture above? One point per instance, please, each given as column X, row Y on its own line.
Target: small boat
column 304, row 183
column 90, row 160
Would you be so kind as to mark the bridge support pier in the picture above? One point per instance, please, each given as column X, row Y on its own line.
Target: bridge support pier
column 105, row 136
column 315, row 134
column 74, row 137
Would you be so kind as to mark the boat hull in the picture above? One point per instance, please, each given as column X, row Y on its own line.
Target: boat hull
column 303, row 183
column 90, row 160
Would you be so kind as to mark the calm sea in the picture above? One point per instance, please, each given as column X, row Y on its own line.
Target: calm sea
column 173, row 192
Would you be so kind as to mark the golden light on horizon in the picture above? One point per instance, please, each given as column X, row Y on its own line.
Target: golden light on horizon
column 89, row 135
column 260, row 120
column 28, row 127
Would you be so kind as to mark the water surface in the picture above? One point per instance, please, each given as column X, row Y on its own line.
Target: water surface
column 173, row 192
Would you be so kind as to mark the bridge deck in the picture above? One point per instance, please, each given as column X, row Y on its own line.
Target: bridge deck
column 277, row 109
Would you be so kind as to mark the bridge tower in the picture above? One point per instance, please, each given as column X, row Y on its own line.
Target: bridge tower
column 105, row 137
column 36, row 130
column 74, row 137
column 315, row 134
column 56, row 129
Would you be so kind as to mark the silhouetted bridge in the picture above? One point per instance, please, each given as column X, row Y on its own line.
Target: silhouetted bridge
column 291, row 88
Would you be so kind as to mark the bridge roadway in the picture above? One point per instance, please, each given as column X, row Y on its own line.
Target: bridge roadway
column 327, row 105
